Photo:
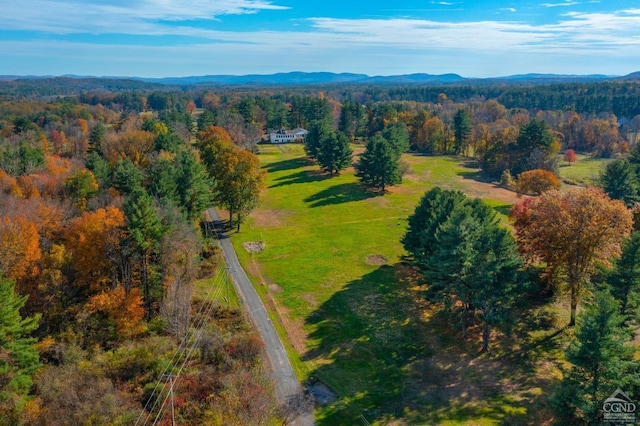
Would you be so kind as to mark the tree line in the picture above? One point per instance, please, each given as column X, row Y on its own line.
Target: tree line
column 101, row 243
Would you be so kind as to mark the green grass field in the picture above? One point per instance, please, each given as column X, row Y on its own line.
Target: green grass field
column 333, row 277
column 585, row 171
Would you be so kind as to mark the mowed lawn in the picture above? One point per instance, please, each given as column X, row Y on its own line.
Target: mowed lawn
column 585, row 171
column 355, row 319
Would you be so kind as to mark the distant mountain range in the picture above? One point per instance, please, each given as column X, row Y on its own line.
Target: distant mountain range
column 302, row 78
column 309, row 78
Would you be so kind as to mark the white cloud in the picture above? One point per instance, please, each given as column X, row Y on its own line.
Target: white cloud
column 508, row 9
column 99, row 16
column 582, row 31
column 320, row 43
column 576, row 33
column 567, row 3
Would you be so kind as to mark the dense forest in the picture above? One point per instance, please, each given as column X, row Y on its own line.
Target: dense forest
column 102, row 234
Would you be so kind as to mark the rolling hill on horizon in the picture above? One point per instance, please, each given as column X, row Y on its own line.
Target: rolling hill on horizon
column 306, row 78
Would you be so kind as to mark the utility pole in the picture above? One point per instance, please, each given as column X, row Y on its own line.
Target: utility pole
column 173, row 414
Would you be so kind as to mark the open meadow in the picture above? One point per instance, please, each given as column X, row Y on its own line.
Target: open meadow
column 332, row 273
column 585, row 171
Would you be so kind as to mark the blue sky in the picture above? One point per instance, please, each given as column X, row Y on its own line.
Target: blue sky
column 167, row 38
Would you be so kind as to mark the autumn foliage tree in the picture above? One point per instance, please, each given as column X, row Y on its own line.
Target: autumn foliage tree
column 212, row 141
column 93, row 242
column 571, row 232
column 236, row 172
column 240, row 191
column 123, row 308
column 132, row 143
column 570, row 156
column 536, row 182
column 180, row 253
column 19, row 248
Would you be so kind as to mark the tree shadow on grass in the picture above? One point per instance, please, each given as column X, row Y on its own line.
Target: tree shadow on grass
column 387, row 355
column 367, row 334
column 341, row 193
column 291, row 164
column 503, row 209
column 470, row 163
column 475, row 174
column 303, row 176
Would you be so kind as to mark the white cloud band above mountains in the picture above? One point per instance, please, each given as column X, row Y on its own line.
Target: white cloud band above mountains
column 180, row 28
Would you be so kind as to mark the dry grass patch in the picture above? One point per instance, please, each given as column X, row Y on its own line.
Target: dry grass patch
column 269, row 217
column 254, row 246
column 275, row 288
column 310, row 299
column 486, row 190
column 376, row 259
column 296, row 335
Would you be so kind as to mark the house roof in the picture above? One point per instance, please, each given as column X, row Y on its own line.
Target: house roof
column 295, row 131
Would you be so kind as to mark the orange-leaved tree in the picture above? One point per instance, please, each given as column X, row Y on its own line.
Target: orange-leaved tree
column 536, row 182
column 93, row 240
column 571, row 232
column 570, row 156
column 124, row 308
column 19, row 249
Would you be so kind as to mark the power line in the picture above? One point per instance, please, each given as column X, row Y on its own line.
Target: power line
column 199, row 334
column 180, row 350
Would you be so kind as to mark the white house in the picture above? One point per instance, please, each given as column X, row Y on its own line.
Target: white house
column 285, row 136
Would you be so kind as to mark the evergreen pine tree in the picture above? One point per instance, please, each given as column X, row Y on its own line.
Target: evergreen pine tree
column 145, row 231
column 317, row 132
column 96, row 137
column 163, row 176
column 100, row 169
column 434, row 208
column 398, row 136
column 625, row 279
column 378, row 166
column 18, row 355
column 620, row 182
column 334, row 153
column 474, row 266
column 601, row 362
column 462, row 127
column 195, row 186
column 127, row 177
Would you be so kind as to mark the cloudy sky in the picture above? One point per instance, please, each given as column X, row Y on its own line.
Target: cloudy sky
column 167, row 38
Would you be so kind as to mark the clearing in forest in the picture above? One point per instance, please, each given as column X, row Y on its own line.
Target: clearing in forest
column 353, row 314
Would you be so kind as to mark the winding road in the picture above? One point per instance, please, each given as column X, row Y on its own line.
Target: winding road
column 288, row 389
